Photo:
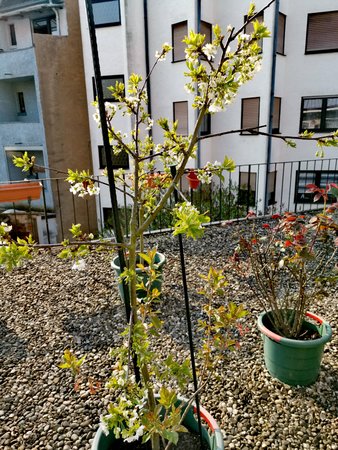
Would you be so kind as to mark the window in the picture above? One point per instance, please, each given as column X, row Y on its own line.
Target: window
column 120, row 161
column 281, row 33
column 319, row 114
column 320, row 178
column 276, row 115
column 107, row 81
column 45, row 25
column 21, row 102
column 106, row 13
column 271, row 188
column 206, row 125
column 181, row 115
column 206, row 29
column 179, row 31
column 15, row 173
column 249, row 28
column 322, row 32
column 250, row 113
column 247, row 188
column 12, row 34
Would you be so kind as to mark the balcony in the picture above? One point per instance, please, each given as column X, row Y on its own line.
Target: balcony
column 13, row 7
column 17, row 63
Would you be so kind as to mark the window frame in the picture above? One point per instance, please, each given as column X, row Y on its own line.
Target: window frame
column 108, row 24
column 313, row 52
column 250, row 133
column 48, row 19
column 260, row 42
column 174, row 117
column 115, row 159
column 247, row 197
column 282, row 53
column 207, row 124
column 318, row 175
column 322, row 128
column 107, row 77
column 21, row 103
column 174, row 60
column 272, row 194
column 12, row 35
column 277, row 130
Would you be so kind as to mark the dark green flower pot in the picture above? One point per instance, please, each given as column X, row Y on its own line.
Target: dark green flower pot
column 160, row 260
column 294, row 362
column 212, row 435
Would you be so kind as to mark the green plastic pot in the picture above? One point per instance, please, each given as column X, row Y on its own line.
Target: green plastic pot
column 292, row 361
column 160, row 260
column 212, row 435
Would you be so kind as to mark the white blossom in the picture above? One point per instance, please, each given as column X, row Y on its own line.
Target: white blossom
column 103, row 424
column 209, row 50
column 137, row 435
column 150, row 124
column 215, row 108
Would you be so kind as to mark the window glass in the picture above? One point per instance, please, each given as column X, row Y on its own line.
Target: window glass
column 311, row 117
column 322, row 32
column 250, row 113
column 206, row 125
column 281, row 33
column 319, row 178
column 16, row 174
column 12, row 34
column 319, row 114
column 247, row 188
column 179, row 31
column 107, row 81
column 45, row 25
column 276, row 115
column 181, row 115
column 249, row 28
column 120, row 161
column 331, row 117
column 21, row 101
column 106, row 12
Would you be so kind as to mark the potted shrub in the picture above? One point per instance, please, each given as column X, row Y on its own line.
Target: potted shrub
column 288, row 259
column 216, row 73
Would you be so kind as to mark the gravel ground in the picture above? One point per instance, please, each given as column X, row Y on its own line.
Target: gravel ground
column 46, row 307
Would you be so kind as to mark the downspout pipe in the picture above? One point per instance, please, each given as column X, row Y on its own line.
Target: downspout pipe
column 146, row 47
column 271, row 105
column 198, row 6
column 107, row 148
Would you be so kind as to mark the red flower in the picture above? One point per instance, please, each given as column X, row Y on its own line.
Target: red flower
column 276, row 216
column 266, row 225
column 288, row 243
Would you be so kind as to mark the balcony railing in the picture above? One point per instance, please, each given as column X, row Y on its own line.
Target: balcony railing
column 260, row 188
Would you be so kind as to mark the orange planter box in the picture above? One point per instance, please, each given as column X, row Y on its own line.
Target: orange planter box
column 20, row 191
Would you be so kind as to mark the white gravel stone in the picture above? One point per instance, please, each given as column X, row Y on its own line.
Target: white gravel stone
column 46, row 307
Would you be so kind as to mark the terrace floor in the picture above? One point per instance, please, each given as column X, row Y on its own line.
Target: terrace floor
column 46, row 307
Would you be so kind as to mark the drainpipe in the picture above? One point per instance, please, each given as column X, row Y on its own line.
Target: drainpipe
column 56, row 12
column 272, row 96
column 146, row 46
column 198, row 7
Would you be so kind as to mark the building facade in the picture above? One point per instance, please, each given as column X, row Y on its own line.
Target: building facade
column 43, row 104
column 47, row 88
column 296, row 89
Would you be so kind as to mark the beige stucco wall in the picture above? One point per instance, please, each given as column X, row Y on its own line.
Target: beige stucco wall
column 65, row 117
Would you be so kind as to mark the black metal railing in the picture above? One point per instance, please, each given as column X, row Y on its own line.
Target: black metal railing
column 229, row 199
